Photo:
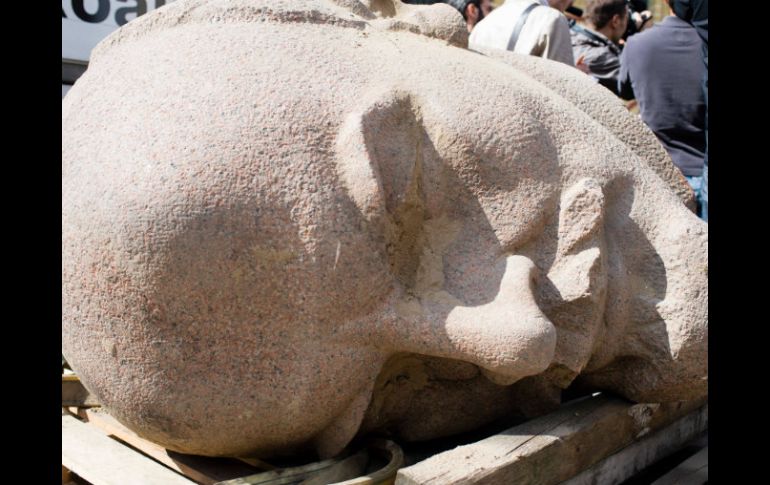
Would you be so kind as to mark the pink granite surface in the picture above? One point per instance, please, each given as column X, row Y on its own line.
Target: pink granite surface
column 287, row 222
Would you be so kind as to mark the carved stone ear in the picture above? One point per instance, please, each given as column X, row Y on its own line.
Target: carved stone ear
column 579, row 276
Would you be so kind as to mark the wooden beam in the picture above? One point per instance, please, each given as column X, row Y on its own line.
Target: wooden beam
column 549, row 449
column 66, row 476
column 103, row 461
column 635, row 458
column 71, row 70
column 692, row 471
column 74, row 394
column 202, row 469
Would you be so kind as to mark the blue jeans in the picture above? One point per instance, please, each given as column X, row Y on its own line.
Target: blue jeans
column 699, row 188
column 704, row 189
column 704, row 193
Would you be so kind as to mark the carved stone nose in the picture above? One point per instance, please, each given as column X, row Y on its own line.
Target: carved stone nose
column 509, row 338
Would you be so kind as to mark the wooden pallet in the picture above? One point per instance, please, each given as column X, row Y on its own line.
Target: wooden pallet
column 594, row 440
column 74, row 394
column 101, row 460
column 94, row 428
column 98, row 450
column 103, row 452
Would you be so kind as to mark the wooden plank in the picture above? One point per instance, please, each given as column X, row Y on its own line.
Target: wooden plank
column 634, row 458
column 692, row 471
column 103, row 461
column 71, row 70
column 76, row 411
column 549, row 449
column 204, row 470
column 74, row 394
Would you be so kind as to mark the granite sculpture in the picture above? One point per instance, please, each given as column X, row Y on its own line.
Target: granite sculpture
column 285, row 223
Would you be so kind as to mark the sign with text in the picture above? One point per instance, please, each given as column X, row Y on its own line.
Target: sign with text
column 86, row 22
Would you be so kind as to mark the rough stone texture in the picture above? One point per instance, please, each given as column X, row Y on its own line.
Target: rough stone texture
column 284, row 222
column 608, row 110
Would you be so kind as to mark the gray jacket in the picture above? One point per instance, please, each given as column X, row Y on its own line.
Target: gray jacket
column 602, row 56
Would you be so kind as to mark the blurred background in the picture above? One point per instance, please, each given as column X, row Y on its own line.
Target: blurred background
column 86, row 22
column 657, row 7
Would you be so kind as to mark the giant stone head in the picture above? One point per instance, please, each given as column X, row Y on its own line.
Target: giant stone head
column 288, row 222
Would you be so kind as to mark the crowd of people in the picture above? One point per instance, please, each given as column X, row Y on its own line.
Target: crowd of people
column 660, row 67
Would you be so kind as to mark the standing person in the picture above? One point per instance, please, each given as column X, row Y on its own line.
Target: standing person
column 527, row 27
column 596, row 44
column 696, row 12
column 663, row 68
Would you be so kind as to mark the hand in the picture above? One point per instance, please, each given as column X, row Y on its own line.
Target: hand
column 581, row 65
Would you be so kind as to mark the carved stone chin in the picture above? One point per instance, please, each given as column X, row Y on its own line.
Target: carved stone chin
column 285, row 223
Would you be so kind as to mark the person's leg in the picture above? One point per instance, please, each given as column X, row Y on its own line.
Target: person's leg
column 704, row 191
column 696, row 183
